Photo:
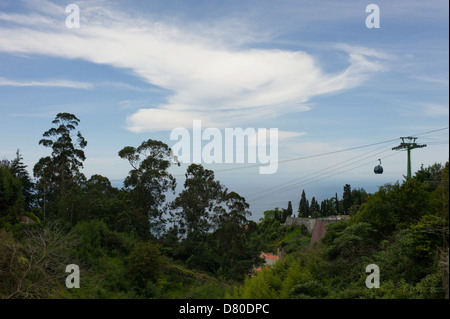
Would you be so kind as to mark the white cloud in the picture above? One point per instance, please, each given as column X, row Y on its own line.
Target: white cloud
column 431, row 109
column 286, row 134
column 161, row 119
column 433, row 80
column 221, row 85
column 22, row 19
column 51, row 83
column 426, row 109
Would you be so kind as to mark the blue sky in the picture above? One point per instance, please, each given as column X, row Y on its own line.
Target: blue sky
column 136, row 70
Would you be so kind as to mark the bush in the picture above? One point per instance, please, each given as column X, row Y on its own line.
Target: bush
column 354, row 241
column 145, row 265
column 308, row 290
column 90, row 235
column 430, row 287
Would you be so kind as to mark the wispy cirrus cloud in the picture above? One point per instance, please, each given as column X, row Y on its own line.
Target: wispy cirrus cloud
column 208, row 79
column 50, row 83
column 433, row 80
column 432, row 109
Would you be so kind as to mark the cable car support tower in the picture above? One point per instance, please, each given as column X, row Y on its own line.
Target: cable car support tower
column 408, row 143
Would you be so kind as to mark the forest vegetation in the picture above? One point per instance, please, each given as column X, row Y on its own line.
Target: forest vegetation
column 134, row 243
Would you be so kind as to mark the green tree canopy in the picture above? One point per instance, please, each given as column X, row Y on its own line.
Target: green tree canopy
column 201, row 197
column 55, row 173
column 149, row 179
column 67, row 156
column 10, row 196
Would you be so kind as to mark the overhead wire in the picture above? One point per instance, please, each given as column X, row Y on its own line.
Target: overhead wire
column 324, row 154
column 299, row 158
column 321, row 176
column 270, row 190
column 432, row 131
column 340, row 172
column 264, row 193
column 305, row 157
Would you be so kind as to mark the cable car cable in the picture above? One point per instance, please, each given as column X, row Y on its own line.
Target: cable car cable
column 270, row 190
column 315, row 179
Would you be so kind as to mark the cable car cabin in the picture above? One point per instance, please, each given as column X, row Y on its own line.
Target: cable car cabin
column 378, row 169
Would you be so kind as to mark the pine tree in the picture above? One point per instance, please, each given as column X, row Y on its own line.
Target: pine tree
column 18, row 168
column 289, row 209
column 314, row 208
column 287, row 212
column 337, row 203
column 307, row 208
column 347, row 199
column 303, row 206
